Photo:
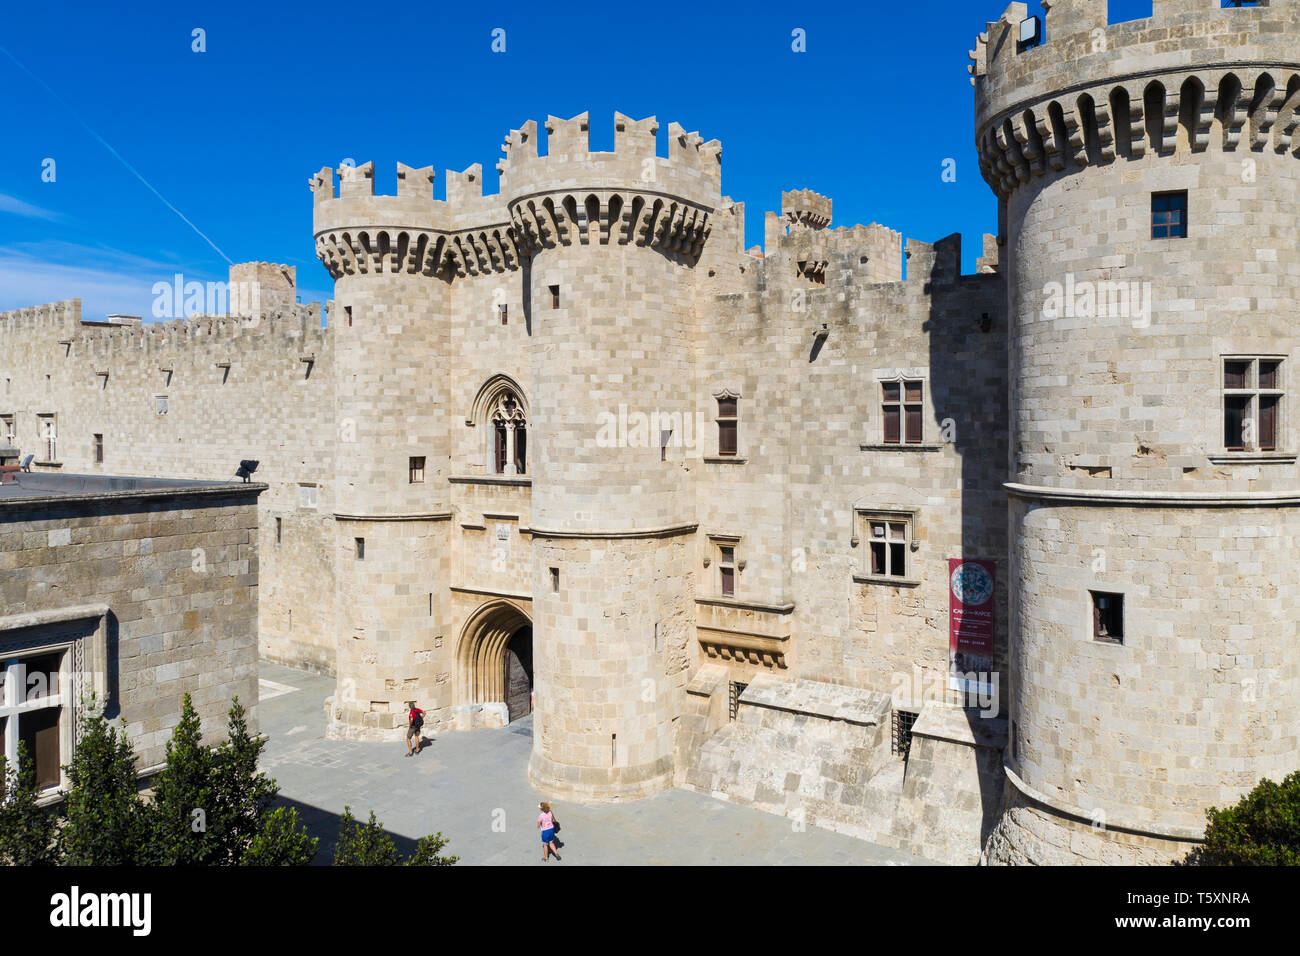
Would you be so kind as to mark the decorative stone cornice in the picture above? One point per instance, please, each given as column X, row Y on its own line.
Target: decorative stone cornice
column 1256, row 106
column 1156, row 499
column 552, row 219
column 428, row 252
column 766, row 650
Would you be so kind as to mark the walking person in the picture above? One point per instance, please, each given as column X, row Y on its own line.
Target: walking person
column 414, row 724
column 546, row 823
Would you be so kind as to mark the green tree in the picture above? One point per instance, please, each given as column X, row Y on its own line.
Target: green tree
column 104, row 818
column 363, row 844
column 241, row 795
column 182, row 806
column 1263, row 829
column 366, row 844
column 280, row 841
column 428, row 850
column 27, row 831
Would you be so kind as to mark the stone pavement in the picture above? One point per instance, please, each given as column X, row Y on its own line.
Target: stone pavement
column 473, row 786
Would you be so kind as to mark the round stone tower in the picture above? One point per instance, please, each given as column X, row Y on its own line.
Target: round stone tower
column 608, row 243
column 391, row 330
column 1148, row 174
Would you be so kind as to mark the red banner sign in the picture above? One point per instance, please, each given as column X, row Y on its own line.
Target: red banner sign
column 971, row 587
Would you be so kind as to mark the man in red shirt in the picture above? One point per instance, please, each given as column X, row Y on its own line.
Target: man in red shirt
column 414, row 724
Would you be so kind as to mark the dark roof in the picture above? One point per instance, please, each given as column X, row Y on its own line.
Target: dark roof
column 29, row 485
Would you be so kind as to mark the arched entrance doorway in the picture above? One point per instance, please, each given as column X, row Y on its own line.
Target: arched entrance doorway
column 494, row 665
column 519, row 674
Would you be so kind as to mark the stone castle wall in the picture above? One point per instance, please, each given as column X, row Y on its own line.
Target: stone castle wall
column 1120, row 476
column 236, row 388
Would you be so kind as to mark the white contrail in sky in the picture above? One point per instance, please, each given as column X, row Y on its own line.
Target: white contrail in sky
column 103, row 142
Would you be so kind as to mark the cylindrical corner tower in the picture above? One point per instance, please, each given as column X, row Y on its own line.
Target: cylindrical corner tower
column 1148, row 175
column 610, row 240
column 391, row 332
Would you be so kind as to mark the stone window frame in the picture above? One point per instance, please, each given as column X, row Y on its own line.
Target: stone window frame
column 1253, row 392
column 1086, row 623
column 1094, row 594
column 876, row 428
column 9, row 428
column 718, row 544
column 415, row 469
column 863, row 516
column 715, row 455
column 489, row 412
column 161, row 405
column 1173, row 229
column 48, row 443
column 308, row 495
column 83, row 671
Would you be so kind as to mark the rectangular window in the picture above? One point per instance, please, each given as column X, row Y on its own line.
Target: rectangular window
column 31, row 712
column 99, row 449
column 279, row 530
column 502, row 449
column 160, row 404
column 1169, row 215
column 347, row 313
column 416, row 469
column 501, row 311
column 727, row 427
column 1252, row 404
column 555, row 579
column 8, row 433
column 889, row 540
column 1107, row 617
column 727, row 570
column 361, row 548
column 48, row 432
column 555, row 297
column 902, row 404
column 307, row 496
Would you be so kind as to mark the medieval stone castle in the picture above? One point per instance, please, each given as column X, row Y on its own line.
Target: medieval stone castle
column 570, row 449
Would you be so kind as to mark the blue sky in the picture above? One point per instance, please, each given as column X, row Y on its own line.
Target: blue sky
column 229, row 136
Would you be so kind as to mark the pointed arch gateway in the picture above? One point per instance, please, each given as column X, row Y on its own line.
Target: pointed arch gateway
column 494, row 662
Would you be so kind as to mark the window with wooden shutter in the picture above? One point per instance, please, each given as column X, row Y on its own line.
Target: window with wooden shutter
column 890, row 400
column 500, row 452
column 902, row 409
column 521, row 449
column 727, row 427
column 727, row 570
column 1252, row 404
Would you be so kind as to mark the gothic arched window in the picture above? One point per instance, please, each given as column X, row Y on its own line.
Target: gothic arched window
column 509, row 434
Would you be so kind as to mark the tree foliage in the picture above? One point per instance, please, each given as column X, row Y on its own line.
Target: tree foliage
column 1263, row 829
column 27, row 830
column 183, row 797
column 104, row 819
column 210, row 806
column 281, row 841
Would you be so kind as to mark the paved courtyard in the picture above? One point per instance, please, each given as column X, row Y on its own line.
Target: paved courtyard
column 473, row 786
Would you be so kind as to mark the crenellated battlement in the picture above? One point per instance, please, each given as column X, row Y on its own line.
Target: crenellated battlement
column 1192, row 76
column 52, row 316
column 569, row 195
column 692, row 169
column 798, row 235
